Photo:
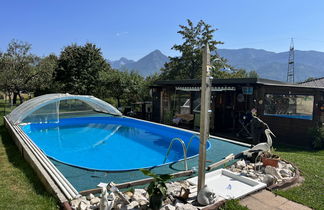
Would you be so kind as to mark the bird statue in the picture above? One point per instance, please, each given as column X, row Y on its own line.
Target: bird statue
column 265, row 146
column 107, row 200
column 253, row 153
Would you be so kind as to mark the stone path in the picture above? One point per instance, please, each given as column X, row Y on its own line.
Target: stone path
column 267, row 200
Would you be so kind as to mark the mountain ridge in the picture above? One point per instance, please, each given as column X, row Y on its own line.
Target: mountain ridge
column 267, row 64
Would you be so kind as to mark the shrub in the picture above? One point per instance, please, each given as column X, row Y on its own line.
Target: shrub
column 317, row 135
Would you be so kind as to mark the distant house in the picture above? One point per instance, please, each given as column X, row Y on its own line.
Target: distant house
column 289, row 110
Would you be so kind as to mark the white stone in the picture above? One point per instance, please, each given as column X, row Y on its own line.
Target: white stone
column 252, row 175
column 250, row 167
column 290, row 167
column 281, row 164
column 95, row 206
column 140, row 191
column 240, row 164
column 90, row 196
column 129, row 194
column 268, row 179
column 179, row 205
column 118, row 206
column 173, row 188
column 94, row 200
column 83, row 205
column 132, row 205
column 75, row 203
column 244, row 172
column 186, row 207
column 169, row 207
column 272, row 171
column 139, row 197
column 285, row 173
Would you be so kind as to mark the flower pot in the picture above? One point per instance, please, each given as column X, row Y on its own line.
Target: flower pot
column 270, row 161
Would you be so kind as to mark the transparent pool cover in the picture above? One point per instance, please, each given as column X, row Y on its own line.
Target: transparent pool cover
column 51, row 107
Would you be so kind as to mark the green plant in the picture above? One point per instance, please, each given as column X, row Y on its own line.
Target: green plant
column 317, row 134
column 157, row 189
column 233, row 205
column 167, row 117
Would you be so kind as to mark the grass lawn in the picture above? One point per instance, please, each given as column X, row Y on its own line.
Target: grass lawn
column 311, row 165
column 19, row 186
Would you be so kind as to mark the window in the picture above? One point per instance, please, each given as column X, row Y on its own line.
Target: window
column 289, row 106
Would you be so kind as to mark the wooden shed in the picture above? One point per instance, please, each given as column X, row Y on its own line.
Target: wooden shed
column 289, row 110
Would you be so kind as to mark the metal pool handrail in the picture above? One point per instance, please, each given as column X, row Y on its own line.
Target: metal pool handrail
column 184, row 151
column 192, row 137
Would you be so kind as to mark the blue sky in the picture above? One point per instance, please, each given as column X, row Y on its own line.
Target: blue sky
column 134, row 28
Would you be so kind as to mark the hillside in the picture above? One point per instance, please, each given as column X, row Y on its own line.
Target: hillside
column 267, row 64
column 147, row 65
column 274, row 65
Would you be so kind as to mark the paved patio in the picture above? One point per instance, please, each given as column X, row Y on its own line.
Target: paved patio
column 267, row 200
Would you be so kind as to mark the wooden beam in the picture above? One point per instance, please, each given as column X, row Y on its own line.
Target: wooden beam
column 136, row 182
column 204, row 115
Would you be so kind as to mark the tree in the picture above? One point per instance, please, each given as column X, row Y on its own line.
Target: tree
column 135, row 90
column 16, row 68
column 231, row 72
column 124, row 85
column 309, row 79
column 79, row 68
column 253, row 74
column 149, row 81
column 188, row 65
column 42, row 81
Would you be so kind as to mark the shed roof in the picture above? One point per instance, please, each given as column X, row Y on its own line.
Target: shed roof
column 231, row 81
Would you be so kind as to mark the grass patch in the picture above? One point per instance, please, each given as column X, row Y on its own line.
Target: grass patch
column 19, row 186
column 233, row 205
column 311, row 165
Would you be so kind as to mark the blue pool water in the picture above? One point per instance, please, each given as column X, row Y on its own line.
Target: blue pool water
column 109, row 143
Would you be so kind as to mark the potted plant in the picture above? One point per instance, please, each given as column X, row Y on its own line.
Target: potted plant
column 269, row 159
column 157, row 189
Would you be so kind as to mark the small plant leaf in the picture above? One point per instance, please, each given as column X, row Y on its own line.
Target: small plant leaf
column 166, row 177
column 148, row 173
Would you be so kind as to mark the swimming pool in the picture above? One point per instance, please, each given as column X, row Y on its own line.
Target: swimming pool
column 110, row 143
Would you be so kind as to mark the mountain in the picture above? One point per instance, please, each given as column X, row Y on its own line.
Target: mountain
column 273, row 65
column 145, row 66
column 120, row 63
column 267, row 64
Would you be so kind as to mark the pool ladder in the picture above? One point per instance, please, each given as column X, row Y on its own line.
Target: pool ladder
column 184, row 148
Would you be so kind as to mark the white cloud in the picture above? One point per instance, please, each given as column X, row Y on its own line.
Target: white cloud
column 121, row 33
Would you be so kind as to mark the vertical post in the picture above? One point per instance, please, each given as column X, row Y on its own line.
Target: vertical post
column 204, row 115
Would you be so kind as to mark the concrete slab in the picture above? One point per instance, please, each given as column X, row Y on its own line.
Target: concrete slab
column 254, row 204
column 265, row 199
column 269, row 198
column 290, row 205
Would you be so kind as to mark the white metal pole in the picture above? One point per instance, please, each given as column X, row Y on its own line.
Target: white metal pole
column 204, row 115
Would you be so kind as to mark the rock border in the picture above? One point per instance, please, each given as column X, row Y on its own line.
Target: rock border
column 287, row 183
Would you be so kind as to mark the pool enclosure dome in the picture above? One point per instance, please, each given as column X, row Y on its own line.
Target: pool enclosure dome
column 50, row 107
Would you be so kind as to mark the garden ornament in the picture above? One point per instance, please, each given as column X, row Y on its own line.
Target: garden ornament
column 206, row 196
